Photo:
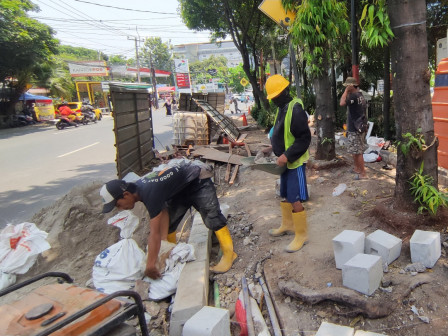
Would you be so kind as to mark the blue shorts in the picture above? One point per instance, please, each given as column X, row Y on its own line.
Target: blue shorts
column 293, row 184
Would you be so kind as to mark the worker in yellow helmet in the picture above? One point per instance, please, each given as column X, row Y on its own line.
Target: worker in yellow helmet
column 290, row 140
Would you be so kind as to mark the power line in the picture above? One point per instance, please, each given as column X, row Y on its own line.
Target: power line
column 104, row 20
column 128, row 9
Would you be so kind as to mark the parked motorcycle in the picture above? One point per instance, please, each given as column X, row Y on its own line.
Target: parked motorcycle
column 64, row 122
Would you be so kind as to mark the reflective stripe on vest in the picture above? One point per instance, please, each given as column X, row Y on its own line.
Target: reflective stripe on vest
column 289, row 137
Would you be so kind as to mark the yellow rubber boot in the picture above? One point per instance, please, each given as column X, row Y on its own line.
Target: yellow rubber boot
column 172, row 237
column 228, row 256
column 301, row 231
column 287, row 225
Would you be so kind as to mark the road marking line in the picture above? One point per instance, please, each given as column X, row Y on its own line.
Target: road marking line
column 80, row 149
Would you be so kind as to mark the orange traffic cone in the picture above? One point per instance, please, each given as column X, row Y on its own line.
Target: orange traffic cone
column 244, row 119
column 248, row 111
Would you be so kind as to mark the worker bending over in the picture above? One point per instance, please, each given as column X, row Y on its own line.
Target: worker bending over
column 167, row 195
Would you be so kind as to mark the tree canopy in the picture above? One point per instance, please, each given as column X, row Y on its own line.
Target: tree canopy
column 160, row 53
column 25, row 43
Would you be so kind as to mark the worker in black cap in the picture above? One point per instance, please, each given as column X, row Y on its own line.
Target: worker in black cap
column 167, row 195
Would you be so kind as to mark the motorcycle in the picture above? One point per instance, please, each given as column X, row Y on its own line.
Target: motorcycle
column 89, row 115
column 64, row 122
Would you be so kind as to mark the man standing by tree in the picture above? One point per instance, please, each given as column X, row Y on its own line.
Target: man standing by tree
column 353, row 98
column 290, row 140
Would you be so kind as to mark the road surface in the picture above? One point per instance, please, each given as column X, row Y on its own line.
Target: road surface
column 40, row 164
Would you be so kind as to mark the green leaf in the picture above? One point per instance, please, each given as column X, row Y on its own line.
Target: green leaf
column 371, row 12
column 363, row 15
column 380, row 16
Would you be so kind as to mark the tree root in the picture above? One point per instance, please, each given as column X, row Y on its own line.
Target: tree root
column 371, row 308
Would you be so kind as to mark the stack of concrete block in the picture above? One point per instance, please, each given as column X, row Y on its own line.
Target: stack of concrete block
column 330, row 329
column 425, row 247
column 209, row 321
column 385, row 245
column 346, row 245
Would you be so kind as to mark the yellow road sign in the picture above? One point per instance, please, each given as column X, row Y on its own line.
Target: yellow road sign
column 275, row 10
column 244, row 81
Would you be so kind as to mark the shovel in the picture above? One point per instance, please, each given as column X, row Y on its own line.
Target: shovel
column 269, row 167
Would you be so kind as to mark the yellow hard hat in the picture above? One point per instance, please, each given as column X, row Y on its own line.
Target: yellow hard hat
column 275, row 85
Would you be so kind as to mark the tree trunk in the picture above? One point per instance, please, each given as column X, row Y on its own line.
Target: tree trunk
column 412, row 100
column 324, row 115
column 386, row 94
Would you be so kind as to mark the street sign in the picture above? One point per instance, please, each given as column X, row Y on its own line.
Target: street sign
column 244, row 81
column 275, row 10
column 89, row 68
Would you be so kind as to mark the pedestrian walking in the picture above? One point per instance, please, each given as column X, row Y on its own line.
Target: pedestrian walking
column 167, row 195
column 235, row 103
column 167, row 105
column 291, row 138
column 354, row 99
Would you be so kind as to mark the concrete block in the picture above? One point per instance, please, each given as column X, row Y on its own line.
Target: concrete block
column 346, row 245
column 330, row 329
column 367, row 333
column 387, row 246
column 193, row 286
column 209, row 321
column 425, row 247
column 363, row 273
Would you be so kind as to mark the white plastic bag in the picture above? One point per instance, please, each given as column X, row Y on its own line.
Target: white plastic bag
column 167, row 284
column 339, row 189
column 119, row 265
column 19, row 247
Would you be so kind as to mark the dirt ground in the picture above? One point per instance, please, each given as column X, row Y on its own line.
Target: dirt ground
column 78, row 232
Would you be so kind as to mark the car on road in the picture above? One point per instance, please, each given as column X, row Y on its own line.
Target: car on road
column 76, row 107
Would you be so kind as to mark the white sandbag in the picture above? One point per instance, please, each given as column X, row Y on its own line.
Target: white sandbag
column 371, row 157
column 7, row 280
column 167, row 284
column 120, row 265
column 19, row 247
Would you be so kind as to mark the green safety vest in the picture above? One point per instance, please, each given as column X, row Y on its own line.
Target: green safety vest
column 288, row 137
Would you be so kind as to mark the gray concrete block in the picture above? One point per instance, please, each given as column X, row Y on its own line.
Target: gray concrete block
column 191, row 295
column 387, row 246
column 193, row 285
column 209, row 321
column 367, row 333
column 363, row 273
column 425, row 247
column 346, row 245
column 330, row 329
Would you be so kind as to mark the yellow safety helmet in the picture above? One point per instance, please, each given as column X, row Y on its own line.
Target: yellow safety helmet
column 275, row 85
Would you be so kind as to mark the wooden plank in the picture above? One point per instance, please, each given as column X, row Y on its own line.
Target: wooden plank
column 229, row 167
column 216, row 155
column 235, row 171
column 249, row 153
column 242, row 137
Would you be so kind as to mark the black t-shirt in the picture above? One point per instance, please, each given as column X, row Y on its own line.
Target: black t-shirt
column 356, row 108
column 299, row 129
column 157, row 188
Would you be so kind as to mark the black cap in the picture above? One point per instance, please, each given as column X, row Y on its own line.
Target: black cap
column 111, row 192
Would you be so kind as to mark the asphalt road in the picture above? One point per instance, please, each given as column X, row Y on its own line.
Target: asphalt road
column 39, row 164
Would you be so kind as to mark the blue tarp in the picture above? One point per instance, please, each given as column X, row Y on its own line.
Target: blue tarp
column 29, row 96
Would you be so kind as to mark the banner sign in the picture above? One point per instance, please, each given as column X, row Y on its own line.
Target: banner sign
column 91, row 68
column 183, row 80
column 181, row 66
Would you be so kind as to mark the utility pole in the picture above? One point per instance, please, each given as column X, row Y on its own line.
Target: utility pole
column 136, row 54
column 153, row 80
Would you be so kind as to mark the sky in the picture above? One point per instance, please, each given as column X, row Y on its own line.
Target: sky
column 111, row 26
